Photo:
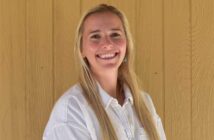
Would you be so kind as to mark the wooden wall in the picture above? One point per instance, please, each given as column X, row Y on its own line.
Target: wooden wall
column 174, row 59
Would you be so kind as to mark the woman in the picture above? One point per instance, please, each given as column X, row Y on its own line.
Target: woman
column 107, row 103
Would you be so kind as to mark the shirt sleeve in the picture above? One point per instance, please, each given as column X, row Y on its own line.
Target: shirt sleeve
column 67, row 132
column 156, row 117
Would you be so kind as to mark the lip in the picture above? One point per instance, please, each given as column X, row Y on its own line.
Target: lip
column 108, row 56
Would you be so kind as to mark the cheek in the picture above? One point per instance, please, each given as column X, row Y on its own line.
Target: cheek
column 93, row 45
column 122, row 45
column 120, row 42
column 89, row 49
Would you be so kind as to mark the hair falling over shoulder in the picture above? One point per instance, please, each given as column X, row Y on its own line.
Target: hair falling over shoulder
column 126, row 74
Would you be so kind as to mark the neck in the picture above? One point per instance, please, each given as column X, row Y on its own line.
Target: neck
column 108, row 82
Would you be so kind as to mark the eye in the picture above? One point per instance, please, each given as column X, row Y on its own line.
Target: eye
column 115, row 35
column 95, row 36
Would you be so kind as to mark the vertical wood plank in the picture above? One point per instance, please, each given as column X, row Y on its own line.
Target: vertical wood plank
column 149, row 50
column 66, row 17
column 5, row 70
column 177, row 62
column 12, row 71
column 18, row 77
column 202, row 70
column 39, row 67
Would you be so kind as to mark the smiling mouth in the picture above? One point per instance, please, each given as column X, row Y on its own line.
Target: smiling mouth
column 107, row 56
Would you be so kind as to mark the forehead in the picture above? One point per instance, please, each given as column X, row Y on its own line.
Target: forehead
column 102, row 20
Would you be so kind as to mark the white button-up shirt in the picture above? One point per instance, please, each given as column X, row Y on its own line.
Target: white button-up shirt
column 73, row 119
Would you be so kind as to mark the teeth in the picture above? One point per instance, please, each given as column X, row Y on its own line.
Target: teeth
column 107, row 56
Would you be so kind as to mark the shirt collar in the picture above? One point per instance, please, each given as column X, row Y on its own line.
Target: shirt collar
column 128, row 94
column 107, row 99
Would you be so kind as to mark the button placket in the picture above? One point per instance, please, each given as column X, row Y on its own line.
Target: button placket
column 123, row 117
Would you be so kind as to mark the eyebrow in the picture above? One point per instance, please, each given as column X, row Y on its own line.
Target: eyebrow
column 95, row 31
column 113, row 29
column 116, row 29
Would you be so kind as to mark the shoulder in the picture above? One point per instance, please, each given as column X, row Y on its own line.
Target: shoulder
column 68, row 109
column 69, row 102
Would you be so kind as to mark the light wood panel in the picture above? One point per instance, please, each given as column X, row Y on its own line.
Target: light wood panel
column 18, row 76
column 39, row 67
column 177, row 69
column 149, row 50
column 12, row 70
column 202, row 69
column 65, row 23
column 5, row 70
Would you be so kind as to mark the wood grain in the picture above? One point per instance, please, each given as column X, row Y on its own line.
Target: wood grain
column 202, row 70
column 177, row 69
column 149, row 50
column 12, row 71
column 39, row 67
column 66, row 17
column 5, row 70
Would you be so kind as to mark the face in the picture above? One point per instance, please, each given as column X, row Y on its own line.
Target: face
column 103, row 42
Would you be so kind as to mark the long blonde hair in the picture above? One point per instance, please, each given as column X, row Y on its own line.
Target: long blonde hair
column 126, row 75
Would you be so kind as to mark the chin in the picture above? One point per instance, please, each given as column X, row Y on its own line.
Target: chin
column 111, row 66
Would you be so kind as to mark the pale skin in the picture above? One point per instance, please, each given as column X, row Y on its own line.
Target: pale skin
column 104, row 46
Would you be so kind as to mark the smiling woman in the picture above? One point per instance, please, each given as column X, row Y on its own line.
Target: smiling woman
column 104, row 37
column 107, row 103
column 104, row 47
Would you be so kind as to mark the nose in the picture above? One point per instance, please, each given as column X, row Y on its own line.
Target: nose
column 107, row 43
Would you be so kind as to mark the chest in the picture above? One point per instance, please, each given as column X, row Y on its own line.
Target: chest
column 125, row 123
